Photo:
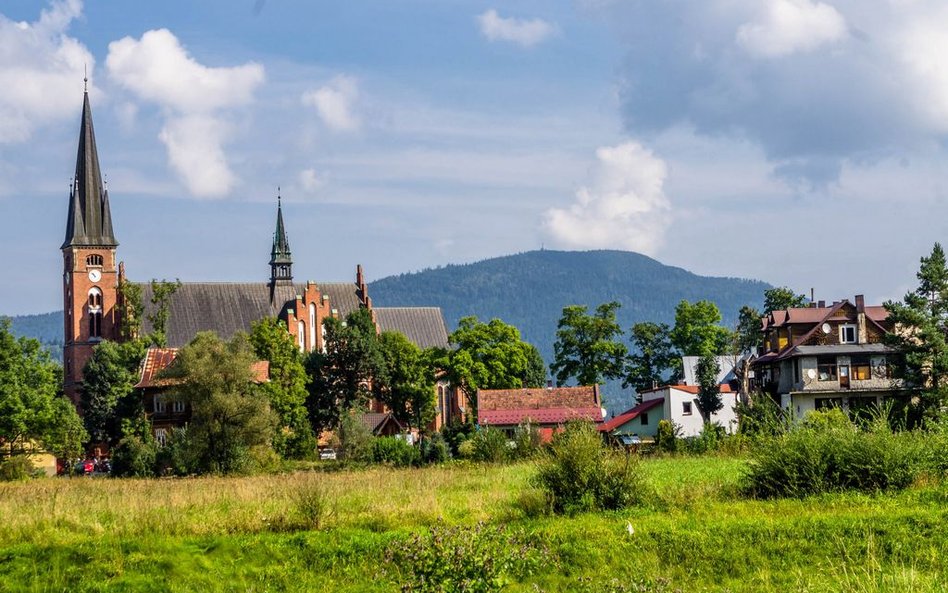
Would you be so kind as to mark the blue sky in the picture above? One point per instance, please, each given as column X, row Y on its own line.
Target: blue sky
column 796, row 141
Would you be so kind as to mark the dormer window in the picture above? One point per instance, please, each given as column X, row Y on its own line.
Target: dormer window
column 94, row 260
column 847, row 334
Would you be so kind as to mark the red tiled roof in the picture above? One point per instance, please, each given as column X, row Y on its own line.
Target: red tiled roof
column 538, row 398
column 158, row 359
column 514, row 417
column 630, row 414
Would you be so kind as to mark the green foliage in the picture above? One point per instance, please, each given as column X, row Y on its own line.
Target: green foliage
column 586, row 345
column 708, row 440
column 16, row 468
column 697, row 330
column 781, row 298
column 490, row 356
column 653, row 356
column 229, row 413
column 581, row 474
column 434, row 449
column 354, row 439
column 32, row 412
column 176, row 458
column 478, row 559
column 286, row 388
column 709, row 392
column 394, row 451
column 136, row 454
column 747, row 335
column 65, row 435
column 131, row 310
column 456, row 433
column 406, row 387
column 922, row 334
column 341, row 375
column 489, row 445
column 763, row 418
column 106, row 393
column 827, row 453
column 161, row 293
column 526, row 440
column 667, row 437
column 313, row 505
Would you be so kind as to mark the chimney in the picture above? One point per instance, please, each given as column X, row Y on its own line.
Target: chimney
column 821, row 304
column 549, row 383
column 860, row 303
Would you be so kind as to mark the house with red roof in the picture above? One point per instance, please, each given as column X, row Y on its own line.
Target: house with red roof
column 827, row 356
column 549, row 408
column 677, row 403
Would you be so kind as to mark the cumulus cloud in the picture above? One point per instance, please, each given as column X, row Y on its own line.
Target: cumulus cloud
column 789, row 26
column 624, row 206
column 41, row 70
column 335, row 103
column 195, row 99
column 815, row 85
column 525, row 32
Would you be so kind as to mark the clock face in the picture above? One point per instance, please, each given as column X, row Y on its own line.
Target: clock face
column 95, row 275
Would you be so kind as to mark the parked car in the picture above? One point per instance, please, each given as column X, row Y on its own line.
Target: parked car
column 327, row 454
column 84, row 467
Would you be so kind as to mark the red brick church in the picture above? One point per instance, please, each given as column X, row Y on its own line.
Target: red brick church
column 91, row 277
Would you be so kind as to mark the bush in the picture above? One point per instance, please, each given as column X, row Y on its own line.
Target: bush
column 478, row 559
column 355, row 440
column 526, row 441
column 134, row 457
column 827, row 453
column 17, row 468
column 706, row 442
column 466, row 449
column 666, row 439
column 490, row 445
column 434, row 449
column 176, row 457
column 394, row 451
column 457, row 433
column 581, row 474
column 312, row 505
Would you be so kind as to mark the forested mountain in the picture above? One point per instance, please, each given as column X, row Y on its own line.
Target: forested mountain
column 45, row 327
column 529, row 290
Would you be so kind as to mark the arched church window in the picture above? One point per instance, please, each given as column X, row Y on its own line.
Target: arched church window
column 95, row 298
column 95, row 324
column 301, row 335
column 312, row 326
column 94, row 260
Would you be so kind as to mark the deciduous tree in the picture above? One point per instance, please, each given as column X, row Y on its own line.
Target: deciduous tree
column 653, row 356
column 586, row 346
column 697, row 330
column 407, row 386
column 709, row 392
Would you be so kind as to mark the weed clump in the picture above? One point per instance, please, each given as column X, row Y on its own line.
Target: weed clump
column 581, row 474
column 16, row 468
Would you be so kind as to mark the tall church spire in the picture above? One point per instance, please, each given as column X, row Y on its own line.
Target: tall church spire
column 281, row 263
column 89, row 222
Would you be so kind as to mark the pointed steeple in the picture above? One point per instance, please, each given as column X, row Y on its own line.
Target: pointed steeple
column 281, row 262
column 89, row 222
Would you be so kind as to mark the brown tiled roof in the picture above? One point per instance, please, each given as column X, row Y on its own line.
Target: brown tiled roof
column 374, row 421
column 158, row 359
column 226, row 308
column 538, row 398
column 422, row 325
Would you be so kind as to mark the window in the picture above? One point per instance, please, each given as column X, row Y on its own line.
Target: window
column 94, row 260
column 826, row 368
column 686, row 408
column 862, row 369
column 177, row 406
column 161, row 435
column 301, row 334
column 95, row 298
column 312, row 326
column 95, row 324
column 643, row 418
column 847, row 334
column 160, row 406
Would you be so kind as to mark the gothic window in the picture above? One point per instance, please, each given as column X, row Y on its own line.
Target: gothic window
column 312, row 326
column 301, row 335
column 94, row 260
column 95, row 298
column 95, row 324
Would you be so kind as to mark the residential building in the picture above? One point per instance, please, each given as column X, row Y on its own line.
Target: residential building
column 548, row 408
column 827, row 355
column 676, row 403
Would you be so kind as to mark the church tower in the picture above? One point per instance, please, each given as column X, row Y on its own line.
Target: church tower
column 281, row 263
column 90, row 272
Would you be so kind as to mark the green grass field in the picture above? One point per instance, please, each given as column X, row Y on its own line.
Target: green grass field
column 329, row 531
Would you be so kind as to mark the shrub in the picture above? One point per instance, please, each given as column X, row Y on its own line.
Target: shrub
column 17, row 468
column 581, row 474
column 706, row 442
column 478, row 559
column 457, row 433
column 313, row 505
column 490, row 445
column 466, row 449
column 394, row 451
column 434, row 449
column 355, row 440
column 526, row 441
column 666, row 439
column 176, row 457
column 134, row 457
column 827, row 453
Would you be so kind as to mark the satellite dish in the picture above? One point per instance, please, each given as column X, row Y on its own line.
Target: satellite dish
column 826, row 328
column 604, row 412
column 811, row 373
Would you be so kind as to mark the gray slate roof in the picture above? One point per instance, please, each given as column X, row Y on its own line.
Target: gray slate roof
column 422, row 325
column 229, row 307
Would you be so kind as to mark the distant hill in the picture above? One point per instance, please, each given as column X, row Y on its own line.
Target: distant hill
column 45, row 327
column 529, row 290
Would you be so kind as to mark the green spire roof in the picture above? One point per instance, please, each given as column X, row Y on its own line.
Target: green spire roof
column 281, row 247
column 89, row 222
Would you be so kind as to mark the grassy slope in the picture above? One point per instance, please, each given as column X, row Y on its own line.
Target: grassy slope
column 245, row 534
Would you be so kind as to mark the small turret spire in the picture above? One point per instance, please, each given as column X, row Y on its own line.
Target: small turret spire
column 281, row 261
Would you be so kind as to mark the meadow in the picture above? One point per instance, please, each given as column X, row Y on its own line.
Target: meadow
column 329, row 531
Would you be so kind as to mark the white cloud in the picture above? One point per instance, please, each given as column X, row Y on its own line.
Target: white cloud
column 41, row 70
column 158, row 69
column 790, row 26
column 923, row 45
column 624, row 206
column 310, row 181
column 525, row 32
column 334, row 102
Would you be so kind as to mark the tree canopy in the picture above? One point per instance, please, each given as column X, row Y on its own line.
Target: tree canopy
column 586, row 346
column 106, row 395
column 697, row 330
column 653, row 356
column 407, row 385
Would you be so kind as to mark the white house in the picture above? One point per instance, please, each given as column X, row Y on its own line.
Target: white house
column 678, row 403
